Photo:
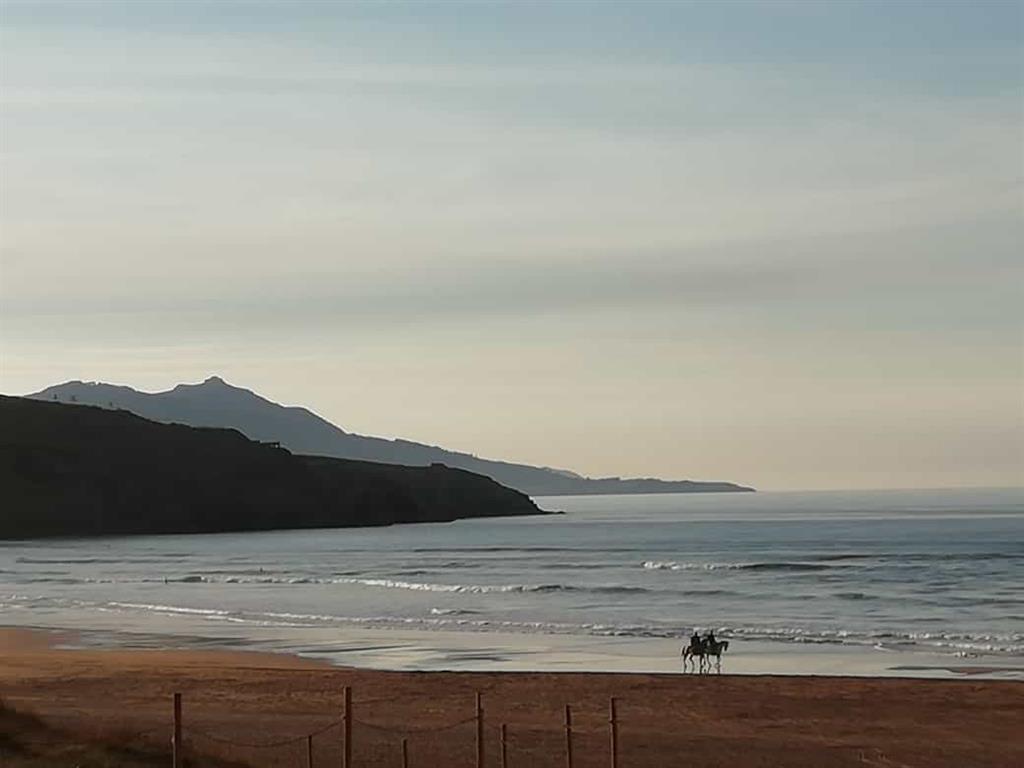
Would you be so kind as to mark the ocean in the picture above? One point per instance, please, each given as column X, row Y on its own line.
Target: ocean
column 907, row 575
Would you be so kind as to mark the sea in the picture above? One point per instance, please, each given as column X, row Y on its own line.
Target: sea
column 890, row 575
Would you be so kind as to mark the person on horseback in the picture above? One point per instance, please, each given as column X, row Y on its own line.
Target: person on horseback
column 713, row 648
column 692, row 652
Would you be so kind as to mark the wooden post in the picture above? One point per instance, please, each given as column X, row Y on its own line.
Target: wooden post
column 405, row 753
column 176, row 746
column 613, row 722
column 346, row 754
column 568, row 736
column 504, row 746
column 479, row 731
column 309, row 752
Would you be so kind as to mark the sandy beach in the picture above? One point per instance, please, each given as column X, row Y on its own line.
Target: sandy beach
column 237, row 702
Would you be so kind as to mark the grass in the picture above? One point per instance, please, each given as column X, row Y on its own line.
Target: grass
column 27, row 740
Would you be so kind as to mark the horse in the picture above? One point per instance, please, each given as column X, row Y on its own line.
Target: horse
column 715, row 648
column 693, row 655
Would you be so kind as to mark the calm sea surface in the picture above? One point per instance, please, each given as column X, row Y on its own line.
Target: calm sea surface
column 915, row 570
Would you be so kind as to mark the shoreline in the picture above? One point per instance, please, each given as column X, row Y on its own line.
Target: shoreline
column 426, row 650
column 728, row 720
column 202, row 650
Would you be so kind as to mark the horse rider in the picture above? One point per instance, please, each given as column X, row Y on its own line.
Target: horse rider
column 695, row 640
column 709, row 638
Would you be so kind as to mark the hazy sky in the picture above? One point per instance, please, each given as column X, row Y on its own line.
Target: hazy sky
column 777, row 243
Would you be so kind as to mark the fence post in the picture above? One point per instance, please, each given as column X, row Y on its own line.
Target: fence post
column 568, row 736
column 176, row 745
column 613, row 722
column 405, row 753
column 479, row 731
column 346, row 753
column 504, row 746
column 309, row 752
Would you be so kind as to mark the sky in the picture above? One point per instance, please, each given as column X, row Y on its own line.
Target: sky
column 777, row 243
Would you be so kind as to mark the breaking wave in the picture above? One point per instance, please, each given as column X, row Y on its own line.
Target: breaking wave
column 172, row 609
column 671, row 565
column 490, row 588
column 386, row 583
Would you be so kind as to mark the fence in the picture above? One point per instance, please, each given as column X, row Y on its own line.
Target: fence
column 356, row 741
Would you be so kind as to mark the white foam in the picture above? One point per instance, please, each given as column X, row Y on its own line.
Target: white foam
column 458, row 588
column 671, row 565
column 171, row 609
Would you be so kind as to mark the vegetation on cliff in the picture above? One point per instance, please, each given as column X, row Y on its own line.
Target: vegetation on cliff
column 78, row 470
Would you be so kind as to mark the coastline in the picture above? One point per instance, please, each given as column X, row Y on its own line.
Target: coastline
column 394, row 649
column 734, row 720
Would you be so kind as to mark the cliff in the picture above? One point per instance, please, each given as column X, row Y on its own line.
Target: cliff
column 75, row 470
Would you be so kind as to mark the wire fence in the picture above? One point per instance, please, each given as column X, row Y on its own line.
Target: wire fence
column 193, row 732
column 456, row 728
column 418, row 730
column 370, row 735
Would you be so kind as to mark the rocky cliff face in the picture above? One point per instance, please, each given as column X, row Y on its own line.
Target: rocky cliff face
column 77, row 470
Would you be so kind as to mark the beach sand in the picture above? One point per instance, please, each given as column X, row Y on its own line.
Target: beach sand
column 236, row 699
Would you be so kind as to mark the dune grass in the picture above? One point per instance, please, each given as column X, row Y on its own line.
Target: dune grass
column 27, row 740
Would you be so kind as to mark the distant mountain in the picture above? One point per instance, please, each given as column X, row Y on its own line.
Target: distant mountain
column 70, row 470
column 215, row 403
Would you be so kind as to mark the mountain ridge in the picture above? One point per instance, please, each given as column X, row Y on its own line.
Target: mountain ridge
column 216, row 403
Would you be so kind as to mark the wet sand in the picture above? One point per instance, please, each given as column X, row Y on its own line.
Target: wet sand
column 416, row 650
column 234, row 700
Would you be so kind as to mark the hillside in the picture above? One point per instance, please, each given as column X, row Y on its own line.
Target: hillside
column 214, row 403
column 71, row 470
